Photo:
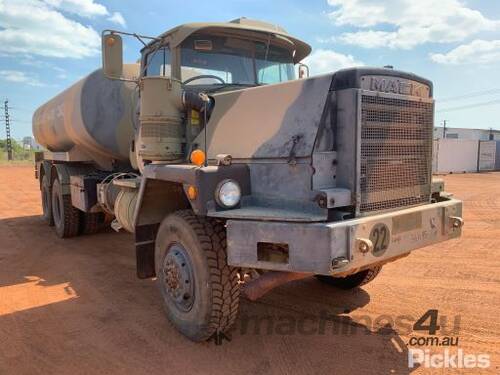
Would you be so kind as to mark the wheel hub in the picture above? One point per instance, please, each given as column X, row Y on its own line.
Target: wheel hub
column 178, row 277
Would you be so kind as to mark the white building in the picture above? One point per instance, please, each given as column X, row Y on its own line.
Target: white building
column 29, row 143
column 464, row 133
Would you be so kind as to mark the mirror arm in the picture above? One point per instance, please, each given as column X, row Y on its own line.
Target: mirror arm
column 302, row 65
column 138, row 36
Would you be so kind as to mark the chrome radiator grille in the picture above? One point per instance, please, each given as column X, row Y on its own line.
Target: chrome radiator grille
column 396, row 152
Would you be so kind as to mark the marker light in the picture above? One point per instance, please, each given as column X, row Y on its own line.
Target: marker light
column 110, row 41
column 192, row 192
column 198, row 157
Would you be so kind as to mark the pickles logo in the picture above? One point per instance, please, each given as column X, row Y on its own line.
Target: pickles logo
column 421, row 357
column 431, row 322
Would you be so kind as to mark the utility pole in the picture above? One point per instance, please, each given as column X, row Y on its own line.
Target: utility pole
column 7, row 130
column 444, row 129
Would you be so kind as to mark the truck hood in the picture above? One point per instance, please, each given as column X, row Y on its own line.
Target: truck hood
column 264, row 121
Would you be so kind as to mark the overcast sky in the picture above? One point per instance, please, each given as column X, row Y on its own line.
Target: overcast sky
column 45, row 45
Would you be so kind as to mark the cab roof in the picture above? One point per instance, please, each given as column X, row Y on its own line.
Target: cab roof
column 240, row 26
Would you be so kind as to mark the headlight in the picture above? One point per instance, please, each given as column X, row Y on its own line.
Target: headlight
column 228, row 193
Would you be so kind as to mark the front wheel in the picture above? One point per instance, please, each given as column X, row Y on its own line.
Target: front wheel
column 351, row 281
column 200, row 290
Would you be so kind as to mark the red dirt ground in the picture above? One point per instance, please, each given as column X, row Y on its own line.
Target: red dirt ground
column 75, row 306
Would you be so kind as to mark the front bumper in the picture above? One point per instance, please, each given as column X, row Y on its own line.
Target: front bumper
column 343, row 247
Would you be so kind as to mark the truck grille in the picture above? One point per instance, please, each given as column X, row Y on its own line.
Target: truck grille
column 396, row 152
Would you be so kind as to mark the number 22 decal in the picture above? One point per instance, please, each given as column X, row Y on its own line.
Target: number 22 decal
column 380, row 237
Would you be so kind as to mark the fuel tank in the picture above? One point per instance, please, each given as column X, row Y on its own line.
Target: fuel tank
column 95, row 115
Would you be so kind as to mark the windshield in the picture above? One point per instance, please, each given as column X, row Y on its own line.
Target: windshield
column 234, row 61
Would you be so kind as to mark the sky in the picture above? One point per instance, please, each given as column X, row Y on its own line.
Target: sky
column 47, row 45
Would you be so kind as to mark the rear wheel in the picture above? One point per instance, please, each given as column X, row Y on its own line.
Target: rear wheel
column 200, row 291
column 351, row 281
column 47, row 201
column 66, row 217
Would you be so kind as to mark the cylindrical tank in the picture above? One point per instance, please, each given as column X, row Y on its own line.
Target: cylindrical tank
column 124, row 208
column 96, row 114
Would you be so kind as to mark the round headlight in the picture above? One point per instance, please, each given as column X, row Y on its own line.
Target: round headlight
column 228, row 193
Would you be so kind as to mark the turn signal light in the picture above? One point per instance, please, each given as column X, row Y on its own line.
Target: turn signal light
column 192, row 192
column 198, row 157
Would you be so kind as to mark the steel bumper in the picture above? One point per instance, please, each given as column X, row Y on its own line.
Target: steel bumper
column 343, row 247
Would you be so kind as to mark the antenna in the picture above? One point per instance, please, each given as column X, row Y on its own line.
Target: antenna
column 7, row 130
column 205, row 110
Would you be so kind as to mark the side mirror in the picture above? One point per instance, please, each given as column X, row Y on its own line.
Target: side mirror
column 303, row 71
column 112, row 55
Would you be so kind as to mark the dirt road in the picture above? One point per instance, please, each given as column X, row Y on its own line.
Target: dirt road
column 75, row 306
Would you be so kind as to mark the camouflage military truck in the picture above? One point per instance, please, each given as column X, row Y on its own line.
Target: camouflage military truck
column 235, row 176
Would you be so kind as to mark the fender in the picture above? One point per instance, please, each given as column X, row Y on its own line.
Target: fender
column 162, row 191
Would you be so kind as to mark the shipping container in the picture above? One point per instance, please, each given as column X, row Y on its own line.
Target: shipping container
column 497, row 156
column 456, row 155
column 486, row 158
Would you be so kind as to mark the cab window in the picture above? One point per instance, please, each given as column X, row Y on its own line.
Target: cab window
column 273, row 64
column 158, row 63
column 234, row 61
column 275, row 72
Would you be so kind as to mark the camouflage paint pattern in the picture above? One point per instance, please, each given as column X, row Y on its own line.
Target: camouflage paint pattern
column 262, row 122
column 96, row 114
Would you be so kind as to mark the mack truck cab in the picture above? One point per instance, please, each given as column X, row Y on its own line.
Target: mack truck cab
column 236, row 172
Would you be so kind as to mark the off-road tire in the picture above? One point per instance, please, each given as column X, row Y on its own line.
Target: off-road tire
column 216, row 290
column 66, row 217
column 91, row 222
column 46, row 193
column 351, row 281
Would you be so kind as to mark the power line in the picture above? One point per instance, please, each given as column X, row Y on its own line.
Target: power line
column 22, row 108
column 469, row 95
column 17, row 121
column 481, row 104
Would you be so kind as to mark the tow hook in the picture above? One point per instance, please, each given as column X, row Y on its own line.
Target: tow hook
column 339, row 263
column 456, row 222
column 364, row 245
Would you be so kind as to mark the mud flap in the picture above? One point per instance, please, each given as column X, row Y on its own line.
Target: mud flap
column 145, row 236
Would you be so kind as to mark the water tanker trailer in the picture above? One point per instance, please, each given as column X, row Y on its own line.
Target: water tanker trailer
column 236, row 176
